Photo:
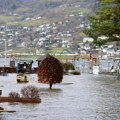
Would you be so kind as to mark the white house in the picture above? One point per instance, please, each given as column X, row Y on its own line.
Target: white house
column 102, row 38
column 87, row 39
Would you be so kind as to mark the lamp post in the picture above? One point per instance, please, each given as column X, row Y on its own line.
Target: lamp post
column 5, row 51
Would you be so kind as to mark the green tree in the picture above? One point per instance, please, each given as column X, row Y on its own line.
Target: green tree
column 105, row 22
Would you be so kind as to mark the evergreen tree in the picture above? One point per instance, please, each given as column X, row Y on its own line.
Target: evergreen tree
column 106, row 22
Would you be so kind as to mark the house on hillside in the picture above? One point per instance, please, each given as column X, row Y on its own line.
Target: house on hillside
column 87, row 39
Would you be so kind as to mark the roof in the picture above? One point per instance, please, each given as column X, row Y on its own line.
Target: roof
column 41, row 57
column 25, row 61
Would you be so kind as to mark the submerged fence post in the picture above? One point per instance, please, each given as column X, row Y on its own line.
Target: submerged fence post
column 0, row 92
column 118, row 73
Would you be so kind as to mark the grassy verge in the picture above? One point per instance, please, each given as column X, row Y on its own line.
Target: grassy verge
column 29, row 22
column 7, row 18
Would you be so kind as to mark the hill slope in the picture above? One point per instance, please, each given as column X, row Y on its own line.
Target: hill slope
column 37, row 6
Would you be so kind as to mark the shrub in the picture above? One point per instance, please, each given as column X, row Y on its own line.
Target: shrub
column 30, row 92
column 14, row 94
column 68, row 66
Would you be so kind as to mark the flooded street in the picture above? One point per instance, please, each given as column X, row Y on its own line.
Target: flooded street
column 78, row 97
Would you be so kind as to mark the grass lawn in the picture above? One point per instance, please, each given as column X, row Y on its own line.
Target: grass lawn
column 74, row 10
column 6, row 18
column 25, row 9
column 29, row 22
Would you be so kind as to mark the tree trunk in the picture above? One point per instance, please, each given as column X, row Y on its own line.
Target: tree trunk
column 50, row 85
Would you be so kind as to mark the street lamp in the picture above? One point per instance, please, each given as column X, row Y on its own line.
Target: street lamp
column 5, row 51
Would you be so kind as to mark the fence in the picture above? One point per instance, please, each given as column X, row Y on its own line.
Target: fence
column 104, row 65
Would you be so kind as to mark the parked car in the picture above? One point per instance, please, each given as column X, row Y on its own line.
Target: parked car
column 21, row 78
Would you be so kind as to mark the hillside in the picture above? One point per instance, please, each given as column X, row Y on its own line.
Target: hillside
column 25, row 23
column 14, row 12
column 32, row 7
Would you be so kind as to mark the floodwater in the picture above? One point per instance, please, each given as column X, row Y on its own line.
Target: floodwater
column 78, row 97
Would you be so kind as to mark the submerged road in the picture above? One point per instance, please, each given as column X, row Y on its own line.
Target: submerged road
column 79, row 97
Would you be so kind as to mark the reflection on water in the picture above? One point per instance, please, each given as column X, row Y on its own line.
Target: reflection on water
column 81, row 97
column 46, row 92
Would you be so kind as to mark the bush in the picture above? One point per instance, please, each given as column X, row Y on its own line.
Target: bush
column 14, row 94
column 30, row 92
column 68, row 66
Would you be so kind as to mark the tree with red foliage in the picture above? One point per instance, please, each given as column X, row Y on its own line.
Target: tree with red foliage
column 50, row 71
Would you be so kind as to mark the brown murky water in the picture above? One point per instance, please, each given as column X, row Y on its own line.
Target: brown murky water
column 81, row 97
